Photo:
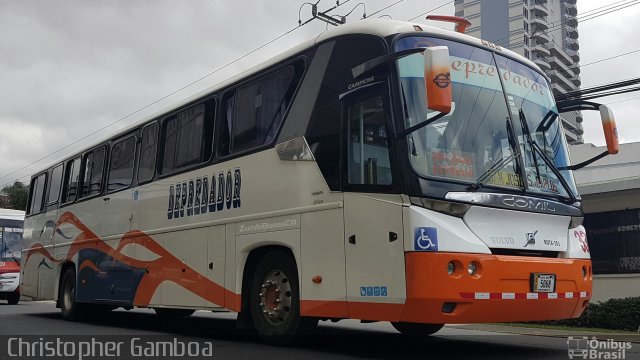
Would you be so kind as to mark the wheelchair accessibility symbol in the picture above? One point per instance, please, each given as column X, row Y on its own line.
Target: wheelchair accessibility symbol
column 425, row 239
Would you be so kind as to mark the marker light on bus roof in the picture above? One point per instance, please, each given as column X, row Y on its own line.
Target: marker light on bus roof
column 461, row 23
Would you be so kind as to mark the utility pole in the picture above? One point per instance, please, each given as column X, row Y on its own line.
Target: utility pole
column 324, row 15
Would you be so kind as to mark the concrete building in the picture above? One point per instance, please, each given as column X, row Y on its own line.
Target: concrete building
column 610, row 190
column 544, row 31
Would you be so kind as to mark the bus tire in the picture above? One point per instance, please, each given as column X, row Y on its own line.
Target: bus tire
column 13, row 298
column 416, row 329
column 70, row 309
column 274, row 299
column 167, row 313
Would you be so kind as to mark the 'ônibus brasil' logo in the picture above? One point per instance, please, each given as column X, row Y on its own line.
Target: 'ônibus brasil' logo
column 202, row 195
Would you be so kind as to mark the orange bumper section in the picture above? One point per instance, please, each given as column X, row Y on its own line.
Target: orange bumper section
column 500, row 291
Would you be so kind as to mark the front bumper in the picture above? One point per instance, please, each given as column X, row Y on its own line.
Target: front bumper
column 499, row 292
column 9, row 282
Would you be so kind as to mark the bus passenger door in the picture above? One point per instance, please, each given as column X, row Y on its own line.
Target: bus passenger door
column 372, row 213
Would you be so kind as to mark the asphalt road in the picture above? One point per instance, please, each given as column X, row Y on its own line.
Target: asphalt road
column 342, row 340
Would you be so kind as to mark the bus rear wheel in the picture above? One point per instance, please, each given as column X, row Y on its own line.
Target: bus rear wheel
column 71, row 310
column 416, row 329
column 274, row 299
column 13, row 298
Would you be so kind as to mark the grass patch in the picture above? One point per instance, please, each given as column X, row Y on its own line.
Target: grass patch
column 613, row 314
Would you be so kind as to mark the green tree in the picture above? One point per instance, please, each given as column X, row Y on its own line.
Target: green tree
column 18, row 193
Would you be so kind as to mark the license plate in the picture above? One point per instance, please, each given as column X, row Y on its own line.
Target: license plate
column 543, row 282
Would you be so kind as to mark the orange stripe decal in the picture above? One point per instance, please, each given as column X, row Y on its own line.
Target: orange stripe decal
column 165, row 268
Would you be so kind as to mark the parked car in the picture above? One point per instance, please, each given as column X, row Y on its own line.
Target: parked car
column 10, row 280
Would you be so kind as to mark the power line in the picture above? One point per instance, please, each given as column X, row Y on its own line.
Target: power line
column 619, row 101
column 582, row 18
column 610, row 93
column 613, row 88
column 413, row 18
column 589, row 15
column 597, row 61
column 594, row 13
column 434, row 9
column 154, row 102
column 585, row 17
column 168, row 95
column 386, row 7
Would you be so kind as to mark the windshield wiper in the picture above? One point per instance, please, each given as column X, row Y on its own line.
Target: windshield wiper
column 536, row 149
column 500, row 164
column 527, row 134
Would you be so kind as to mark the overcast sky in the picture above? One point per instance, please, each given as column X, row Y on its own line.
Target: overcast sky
column 70, row 68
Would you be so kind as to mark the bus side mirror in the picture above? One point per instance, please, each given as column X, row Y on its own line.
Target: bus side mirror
column 610, row 129
column 437, row 77
column 608, row 125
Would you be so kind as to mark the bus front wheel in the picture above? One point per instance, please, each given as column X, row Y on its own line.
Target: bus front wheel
column 416, row 329
column 274, row 299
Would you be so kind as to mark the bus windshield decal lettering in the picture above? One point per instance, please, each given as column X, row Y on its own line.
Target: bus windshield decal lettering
column 198, row 196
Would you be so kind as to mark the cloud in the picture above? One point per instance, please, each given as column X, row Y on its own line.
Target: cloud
column 71, row 67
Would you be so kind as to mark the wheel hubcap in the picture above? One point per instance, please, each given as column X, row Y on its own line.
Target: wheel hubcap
column 275, row 297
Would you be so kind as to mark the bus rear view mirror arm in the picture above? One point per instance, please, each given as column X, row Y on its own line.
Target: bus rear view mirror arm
column 609, row 128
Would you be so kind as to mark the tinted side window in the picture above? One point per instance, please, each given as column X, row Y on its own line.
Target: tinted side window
column 149, row 143
column 93, row 172
column 368, row 149
column 37, row 192
column 54, row 185
column 253, row 113
column 187, row 138
column 169, row 154
column 190, row 133
column 121, row 163
column 325, row 129
column 71, row 181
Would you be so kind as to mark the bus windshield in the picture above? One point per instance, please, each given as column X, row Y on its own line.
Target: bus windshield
column 491, row 137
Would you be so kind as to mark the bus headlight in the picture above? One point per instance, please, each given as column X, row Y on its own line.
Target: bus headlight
column 472, row 268
column 451, row 268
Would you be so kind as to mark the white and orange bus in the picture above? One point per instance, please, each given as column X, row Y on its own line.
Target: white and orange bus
column 385, row 171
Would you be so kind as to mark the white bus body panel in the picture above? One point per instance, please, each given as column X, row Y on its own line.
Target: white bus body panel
column 373, row 260
column 453, row 235
column 322, row 252
column 508, row 229
column 231, row 234
column 577, row 246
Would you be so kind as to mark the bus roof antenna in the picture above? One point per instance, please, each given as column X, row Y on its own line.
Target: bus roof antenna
column 461, row 23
